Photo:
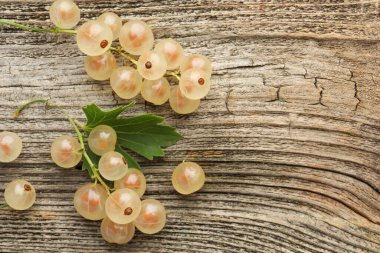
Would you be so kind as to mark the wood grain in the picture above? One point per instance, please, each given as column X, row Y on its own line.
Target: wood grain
column 289, row 135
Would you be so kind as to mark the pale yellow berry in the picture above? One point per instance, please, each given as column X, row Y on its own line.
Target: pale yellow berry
column 116, row 233
column 152, row 217
column 136, row 37
column 172, row 51
column 188, row 177
column 89, row 201
column 123, row 206
column 181, row 104
column 20, row 194
column 10, row 146
column 134, row 180
column 64, row 14
column 66, row 151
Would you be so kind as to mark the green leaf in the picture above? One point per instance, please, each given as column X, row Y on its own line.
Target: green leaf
column 96, row 116
column 94, row 158
column 144, row 134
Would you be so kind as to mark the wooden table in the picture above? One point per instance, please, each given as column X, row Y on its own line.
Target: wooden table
column 289, row 135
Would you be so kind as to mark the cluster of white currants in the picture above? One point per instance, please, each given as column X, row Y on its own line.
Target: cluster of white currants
column 120, row 211
column 94, row 38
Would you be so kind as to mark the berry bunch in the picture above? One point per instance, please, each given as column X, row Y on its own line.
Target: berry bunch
column 95, row 37
column 119, row 207
column 120, row 211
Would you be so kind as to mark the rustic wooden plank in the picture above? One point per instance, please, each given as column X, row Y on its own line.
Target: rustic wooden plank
column 289, row 135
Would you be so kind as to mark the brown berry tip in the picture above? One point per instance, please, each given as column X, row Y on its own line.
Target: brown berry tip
column 128, row 211
column 148, row 65
column 104, row 43
column 201, row 81
column 27, row 187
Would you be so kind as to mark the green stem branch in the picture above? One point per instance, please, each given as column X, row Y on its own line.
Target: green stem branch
column 173, row 73
column 36, row 29
column 78, row 133
column 119, row 50
column 5, row 205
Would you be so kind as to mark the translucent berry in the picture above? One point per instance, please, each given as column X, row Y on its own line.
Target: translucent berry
column 152, row 65
column 64, row 14
column 134, row 180
column 152, row 217
column 20, row 194
column 10, row 146
column 194, row 83
column 123, row 206
column 126, row 82
column 102, row 139
column 66, row 151
column 156, row 91
column 94, row 38
column 188, row 177
column 196, row 61
column 136, row 37
column 181, row 104
column 100, row 67
column 117, row 233
column 113, row 21
column 112, row 166
column 89, row 201
column 172, row 51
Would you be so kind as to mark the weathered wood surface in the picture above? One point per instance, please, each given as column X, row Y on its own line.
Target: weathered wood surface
column 289, row 136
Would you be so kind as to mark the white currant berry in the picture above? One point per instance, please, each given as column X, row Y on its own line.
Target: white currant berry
column 116, row 233
column 64, row 14
column 20, row 194
column 181, row 104
column 152, row 65
column 123, row 206
column 112, row 166
column 94, row 38
column 66, row 151
column 113, row 21
column 134, row 180
column 10, row 146
column 152, row 217
column 194, row 83
column 126, row 82
column 172, row 51
column 102, row 139
column 188, row 177
column 89, row 201
column 100, row 67
column 156, row 91
column 136, row 37
column 196, row 61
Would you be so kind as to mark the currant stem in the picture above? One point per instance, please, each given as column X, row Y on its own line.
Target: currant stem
column 119, row 50
column 174, row 73
column 18, row 111
column 36, row 29
column 5, row 205
column 94, row 171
